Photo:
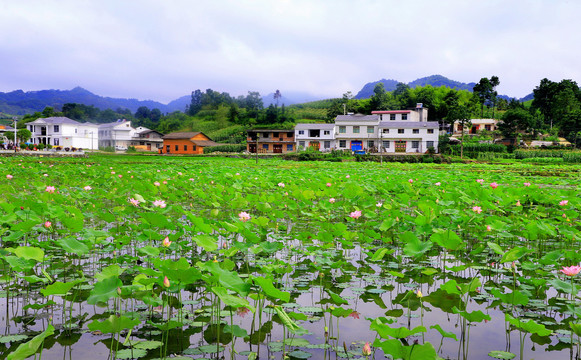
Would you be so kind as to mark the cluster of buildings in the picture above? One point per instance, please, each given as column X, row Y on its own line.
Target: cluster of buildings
column 64, row 132
column 391, row 131
column 394, row 131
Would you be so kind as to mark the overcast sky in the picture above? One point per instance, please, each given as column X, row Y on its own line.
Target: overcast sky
column 164, row 49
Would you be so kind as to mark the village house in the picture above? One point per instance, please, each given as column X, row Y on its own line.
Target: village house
column 477, row 126
column 64, row 132
column 117, row 135
column 270, row 141
column 185, row 143
column 316, row 136
column 389, row 131
column 146, row 139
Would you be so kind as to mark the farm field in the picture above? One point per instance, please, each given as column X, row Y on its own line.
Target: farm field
column 146, row 257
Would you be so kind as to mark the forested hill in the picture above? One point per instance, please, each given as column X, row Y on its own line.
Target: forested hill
column 433, row 80
column 19, row 102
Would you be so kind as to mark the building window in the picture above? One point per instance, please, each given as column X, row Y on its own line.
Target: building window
column 185, row 147
column 415, row 131
column 194, row 147
column 342, row 143
column 75, row 131
column 302, row 144
column 400, row 131
column 415, row 144
column 290, row 134
column 326, row 132
column 430, row 144
column 386, row 131
column 386, row 144
column 176, row 148
column 487, row 127
column 342, row 129
column 289, row 147
column 301, row 132
column 56, row 128
column 370, row 143
column 391, row 116
column 430, row 131
column 327, row 144
column 265, row 146
column 56, row 141
column 355, row 129
column 404, row 116
column 275, row 134
column 370, row 130
column 266, row 135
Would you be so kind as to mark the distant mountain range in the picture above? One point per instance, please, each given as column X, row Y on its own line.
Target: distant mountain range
column 434, row 80
column 19, row 102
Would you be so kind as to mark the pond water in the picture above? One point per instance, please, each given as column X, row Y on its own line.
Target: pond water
column 328, row 259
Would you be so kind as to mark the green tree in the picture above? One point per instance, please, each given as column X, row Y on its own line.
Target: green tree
column 277, row 95
column 515, row 120
column 195, row 103
column 23, row 135
column 459, row 113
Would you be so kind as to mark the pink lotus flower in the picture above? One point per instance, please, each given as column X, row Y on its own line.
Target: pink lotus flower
column 166, row 242
column 477, row 209
column 45, row 175
column 112, row 172
column 411, row 181
column 527, row 184
column 355, row 214
column 9, row 177
column 237, row 174
column 281, row 184
column 159, row 203
column 518, row 203
column 179, row 173
column 88, row 188
column 156, row 183
column 493, row 185
column 564, row 216
column 354, row 315
column 165, row 182
column 379, row 204
column 366, row 349
column 50, row 189
column 47, row 224
column 347, row 177
column 242, row 311
column 120, row 176
column 564, row 202
column 165, row 281
column 480, row 181
column 134, row 202
column 332, row 200
column 488, row 228
column 438, row 183
column 571, row 270
column 244, row 216
column 328, row 184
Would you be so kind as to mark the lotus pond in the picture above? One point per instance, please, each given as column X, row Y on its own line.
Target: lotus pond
column 143, row 257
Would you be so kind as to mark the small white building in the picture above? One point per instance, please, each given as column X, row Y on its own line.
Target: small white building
column 146, row 139
column 64, row 132
column 117, row 135
column 477, row 126
column 316, row 136
column 408, row 137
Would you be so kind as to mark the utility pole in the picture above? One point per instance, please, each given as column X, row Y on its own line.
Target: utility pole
column 257, row 148
column 15, row 121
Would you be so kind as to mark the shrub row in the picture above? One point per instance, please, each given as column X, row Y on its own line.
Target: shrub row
column 235, row 148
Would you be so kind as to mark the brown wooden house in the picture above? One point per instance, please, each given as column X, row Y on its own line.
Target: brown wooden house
column 185, row 143
column 271, row 141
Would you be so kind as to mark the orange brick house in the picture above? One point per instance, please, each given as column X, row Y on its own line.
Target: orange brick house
column 185, row 143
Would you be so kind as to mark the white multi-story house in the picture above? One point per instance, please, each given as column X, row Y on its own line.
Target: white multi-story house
column 64, row 132
column 406, row 131
column 117, row 135
column 146, row 139
column 317, row 136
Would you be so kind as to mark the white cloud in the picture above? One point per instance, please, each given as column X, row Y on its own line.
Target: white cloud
column 165, row 49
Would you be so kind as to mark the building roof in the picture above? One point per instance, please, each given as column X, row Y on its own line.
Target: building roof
column 116, row 123
column 205, row 143
column 391, row 112
column 409, row 124
column 268, row 130
column 181, row 135
column 357, row 117
column 314, row 126
column 483, row 121
column 144, row 132
column 58, row 120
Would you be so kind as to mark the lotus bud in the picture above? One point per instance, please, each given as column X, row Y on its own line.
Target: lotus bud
column 165, row 281
column 166, row 242
column 366, row 349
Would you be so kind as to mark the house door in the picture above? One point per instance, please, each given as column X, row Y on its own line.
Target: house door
column 252, row 148
column 400, row 146
column 167, row 149
column 356, row 145
column 277, row 148
column 315, row 145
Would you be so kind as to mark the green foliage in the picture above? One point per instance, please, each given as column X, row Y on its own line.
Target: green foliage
column 225, row 148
